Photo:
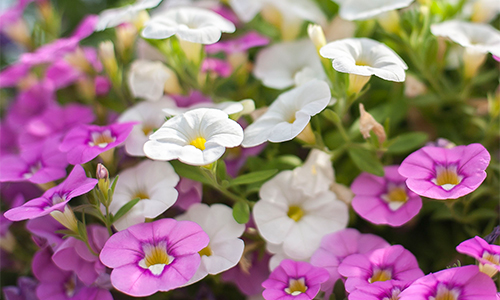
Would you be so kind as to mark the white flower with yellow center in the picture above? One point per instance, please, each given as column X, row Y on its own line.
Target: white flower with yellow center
column 287, row 64
column 197, row 137
column 116, row 16
column 192, row 24
column 361, row 10
column 153, row 182
column 289, row 114
column 150, row 116
column 225, row 248
column 147, row 79
column 296, row 219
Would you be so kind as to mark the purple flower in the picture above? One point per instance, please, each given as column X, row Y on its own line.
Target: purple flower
column 462, row 283
column 151, row 257
column 38, row 163
column 294, row 280
column 487, row 255
column 380, row 290
column 384, row 200
column 218, row 66
column 73, row 255
column 102, row 85
column 441, row 173
column 391, row 263
column 25, row 290
column 190, row 192
column 55, row 198
column 249, row 274
column 194, row 97
column 241, row 44
column 43, row 231
column 61, row 74
column 85, row 142
column 335, row 247
column 12, row 74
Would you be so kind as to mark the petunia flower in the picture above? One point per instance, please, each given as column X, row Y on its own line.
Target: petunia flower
column 55, row 198
column 389, row 263
column 385, row 200
column 85, row 142
column 190, row 192
column 442, row 173
column 113, row 17
column 287, row 64
column 151, row 257
column 153, row 183
column 146, row 79
column 297, row 219
column 380, row 290
column 335, row 247
column 488, row 255
column 192, row 24
column 25, row 289
column 458, row 283
column 361, row 10
column 197, row 137
column 289, row 114
column 294, row 280
column 225, row 248
column 216, row 67
column 364, row 57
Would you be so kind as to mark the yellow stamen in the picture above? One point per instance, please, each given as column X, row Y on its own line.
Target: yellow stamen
column 443, row 293
column 156, row 256
column 199, row 143
column 141, row 195
column 447, row 177
column 291, row 119
column 380, row 275
column 296, row 287
column 295, row 213
column 147, row 129
column 101, row 139
column 397, row 194
column 207, row 251
column 489, row 269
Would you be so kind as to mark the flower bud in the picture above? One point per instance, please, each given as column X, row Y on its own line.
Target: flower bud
column 78, row 60
column 316, row 35
column 125, row 38
column 66, row 218
column 356, row 83
column 367, row 123
column 108, row 58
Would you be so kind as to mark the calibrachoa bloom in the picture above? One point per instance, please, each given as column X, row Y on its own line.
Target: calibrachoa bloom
column 442, row 173
column 390, row 263
column 197, row 137
column 116, row 16
column 380, row 290
column 146, row 79
column 488, row 255
column 83, row 143
column 362, row 10
column 385, row 200
column 294, row 280
column 55, row 198
column 461, row 283
column 151, row 257
column 335, row 247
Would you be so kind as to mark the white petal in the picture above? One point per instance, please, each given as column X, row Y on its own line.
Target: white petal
column 226, row 254
column 362, row 10
column 272, row 221
column 116, row 16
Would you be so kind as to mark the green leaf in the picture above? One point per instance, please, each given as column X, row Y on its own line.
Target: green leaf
column 241, row 212
column 253, row 177
column 221, row 170
column 407, row 142
column 366, row 160
column 125, row 209
column 190, row 172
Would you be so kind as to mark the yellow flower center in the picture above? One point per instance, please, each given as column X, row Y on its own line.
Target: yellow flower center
column 296, row 286
column 291, row 119
column 447, row 177
column 396, row 197
column 141, row 195
column 380, row 275
column 101, row 139
column 295, row 213
column 199, row 143
column 207, row 251
column 155, row 258
column 443, row 293
column 147, row 129
column 489, row 269
column 361, row 62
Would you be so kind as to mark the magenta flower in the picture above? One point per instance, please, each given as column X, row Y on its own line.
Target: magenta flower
column 55, row 198
column 335, row 247
column 249, row 280
column 85, row 142
column 294, row 280
column 190, row 192
column 11, row 75
column 380, row 290
column 488, row 255
column 240, row 44
column 43, row 231
column 441, row 173
column 151, row 257
column 391, row 263
column 461, row 283
column 194, row 97
column 218, row 66
column 385, row 200
column 25, row 290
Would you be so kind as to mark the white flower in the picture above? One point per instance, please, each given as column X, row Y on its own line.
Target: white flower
column 286, row 64
column 229, row 107
column 289, row 114
column 150, row 117
column 365, row 57
column 366, row 9
column 146, row 79
column 192, row 24
column 287, row 215
column 197, row 137
column 316, row 174
column 480, row 38
column 151, row 181
column 225, row 248
column 116, row 16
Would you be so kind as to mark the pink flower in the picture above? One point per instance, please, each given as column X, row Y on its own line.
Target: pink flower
column 190, row 192
column 249, row 279
column 151, row 257
column 240, row 44
column 441, row 173
column 380, row 290
column 462, row 283
column 385, row 200
column 335, row 247
column 55, row 198
column 218, row 66
column 294, row 280
column 391, row 263
column 487, row 255
column 85, row 142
